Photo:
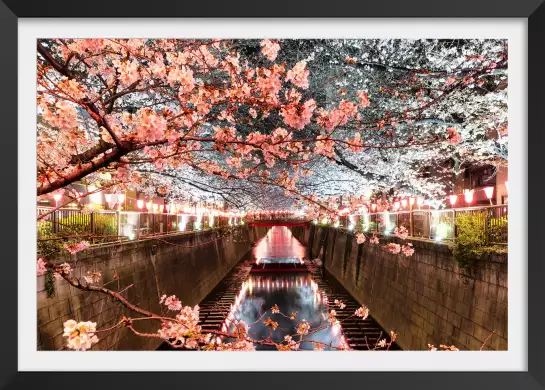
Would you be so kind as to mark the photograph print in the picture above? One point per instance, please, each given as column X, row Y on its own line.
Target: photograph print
column 272, row 194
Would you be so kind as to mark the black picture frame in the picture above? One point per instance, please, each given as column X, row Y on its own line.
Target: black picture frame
column 532, row 10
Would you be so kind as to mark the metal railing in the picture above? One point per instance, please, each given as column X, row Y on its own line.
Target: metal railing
column 103, row 226
column 434, row 224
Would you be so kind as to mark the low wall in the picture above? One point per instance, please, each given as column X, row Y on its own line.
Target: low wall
column 152, row 268
column 423, row 297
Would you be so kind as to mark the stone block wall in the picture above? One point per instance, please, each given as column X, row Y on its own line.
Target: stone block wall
column 146, row 269
column 423, row 298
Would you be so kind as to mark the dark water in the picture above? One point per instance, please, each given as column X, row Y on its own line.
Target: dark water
column 294, row 294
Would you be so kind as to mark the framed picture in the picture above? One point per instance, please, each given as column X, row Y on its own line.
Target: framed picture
column 291, row 194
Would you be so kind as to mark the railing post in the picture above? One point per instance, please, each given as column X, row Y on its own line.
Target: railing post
column 55, row 228
column 118, row 219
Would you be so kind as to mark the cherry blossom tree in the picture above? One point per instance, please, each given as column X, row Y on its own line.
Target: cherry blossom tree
column 284, row 114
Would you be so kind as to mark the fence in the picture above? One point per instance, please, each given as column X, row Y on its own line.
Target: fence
column 103, row 226
column 434, row 224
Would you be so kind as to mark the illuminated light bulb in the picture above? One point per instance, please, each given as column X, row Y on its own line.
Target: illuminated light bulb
column 489, row 191
column 453, row 199
column 468, row 196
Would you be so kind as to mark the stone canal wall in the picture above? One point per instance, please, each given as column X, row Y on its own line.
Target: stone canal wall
column 424, row 298
column 151, row 268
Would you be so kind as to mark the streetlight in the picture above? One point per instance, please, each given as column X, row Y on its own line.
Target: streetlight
column 489, row 191
column 57, row 196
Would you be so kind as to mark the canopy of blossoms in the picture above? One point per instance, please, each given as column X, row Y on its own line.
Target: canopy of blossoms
column 265, row 123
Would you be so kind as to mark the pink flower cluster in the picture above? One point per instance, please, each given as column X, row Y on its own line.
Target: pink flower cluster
column 185, row 330
column 270, row 49
column 303, row 327
column 80, row 335
column 453, row 136
column 338, row 116
column 77, row 247
column 362, row 312
column 40, row 267
column 325, row 148
column 393, row 248
column 128, row 72
column 224, row 134
column 171, row 302
column 401, row 232
column 360, row 238
column 298, row 75
column 374, row 240
column 184, row 76
column 407, row 250
column 298, row 116
column 363, row 99
column 150, row 125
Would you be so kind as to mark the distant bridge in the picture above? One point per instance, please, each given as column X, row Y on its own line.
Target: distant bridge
column 279, row 222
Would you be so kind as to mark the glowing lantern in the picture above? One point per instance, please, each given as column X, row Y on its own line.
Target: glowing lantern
column 468, row 196
column 404, row 203
column 109, row 198
column 489, row 191
column 420, row 202
column 155, row 207
column 411, row 202
column 374, row 206
column 140, row 204
column 396, row 205
column 453, row 199
column 121, row 198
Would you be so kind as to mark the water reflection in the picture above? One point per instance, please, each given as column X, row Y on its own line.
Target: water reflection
column 279, row 245
column 295, row 295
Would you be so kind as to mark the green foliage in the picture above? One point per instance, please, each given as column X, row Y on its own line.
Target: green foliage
column 49, row 283
column 104, row 224
column 472, row 241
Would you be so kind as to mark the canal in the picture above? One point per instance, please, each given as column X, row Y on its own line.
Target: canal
column 275, row 289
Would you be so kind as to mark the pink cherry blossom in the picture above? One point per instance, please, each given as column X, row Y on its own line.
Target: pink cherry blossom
column 40, row 267
column 393, row 248
column 298, row 116
column 298, row 75
column 360, row 238
column 363, row 99
column 80, row 335
column 270, row 49
column 77, row 247
column 407, row 250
